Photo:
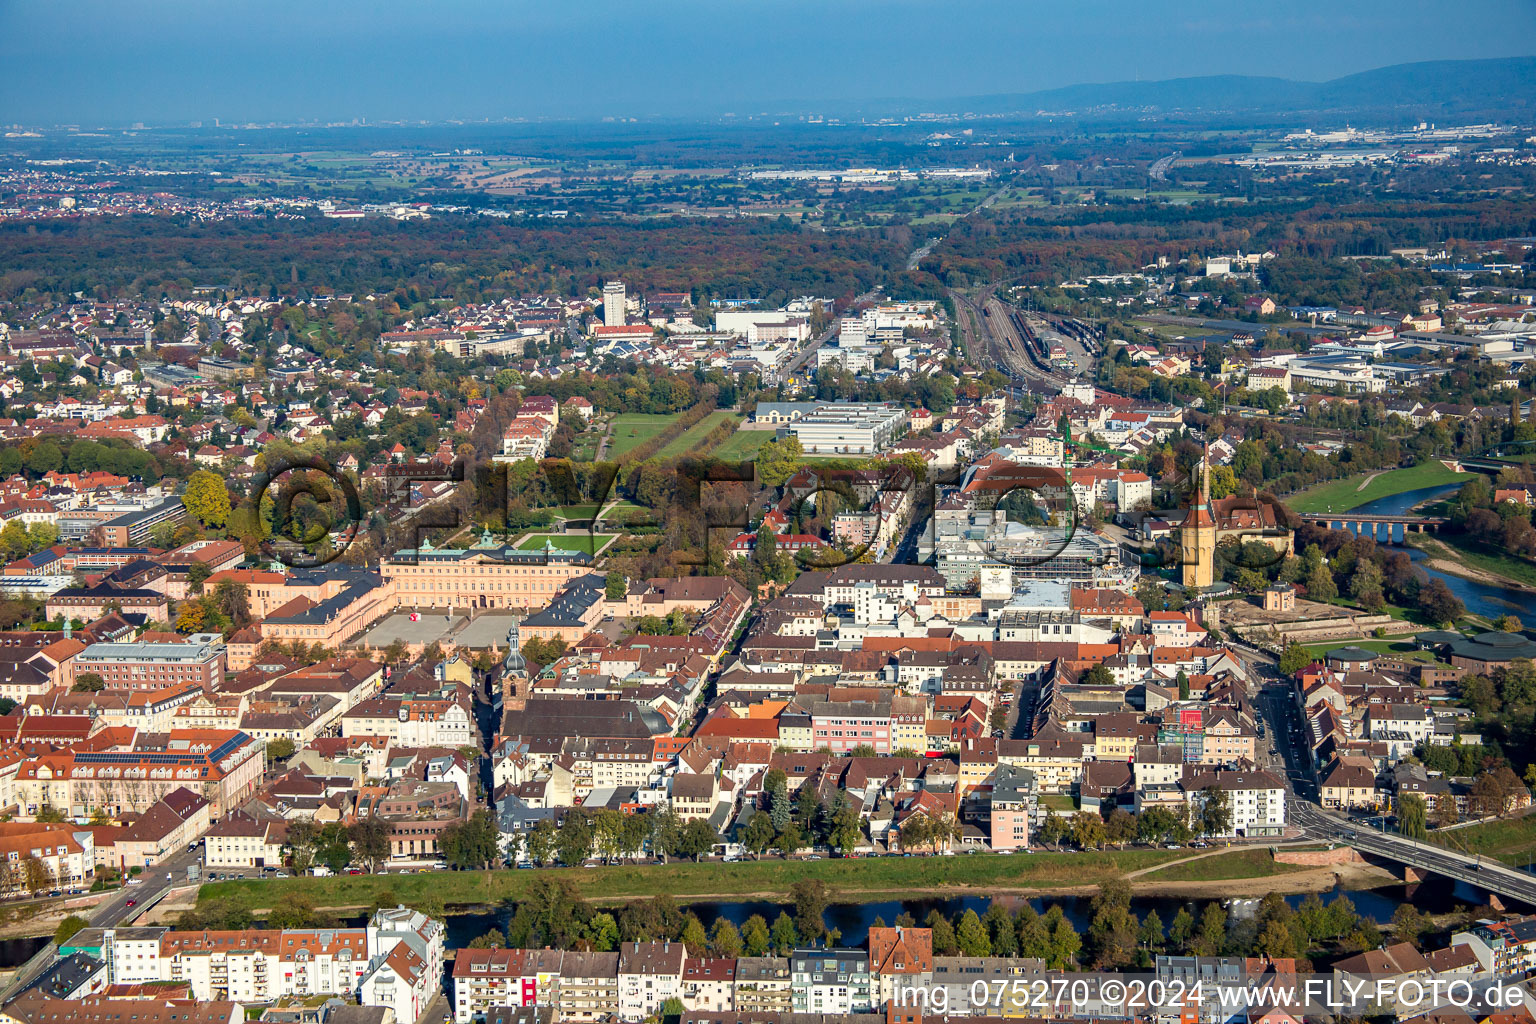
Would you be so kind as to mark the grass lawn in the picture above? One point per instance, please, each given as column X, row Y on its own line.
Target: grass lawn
column 853, row 879
column 1390, row 648
column 691, row 437
column 586, row 511
column 632, row 429
column 567, row 542
column 742, row 446
column 1511, row 840
column 1251, row 863
column 1343, row 495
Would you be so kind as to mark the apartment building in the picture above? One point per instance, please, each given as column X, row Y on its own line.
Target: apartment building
column 650, row 973
column 831, row 981
column 412, row 721
column 66, row 855
column 1013, row 808
column 899, row 958
column 242, row 841
column 763, row 985
column 1256, row 800
column 154, row 666
column 394, row 961
column 222, row 766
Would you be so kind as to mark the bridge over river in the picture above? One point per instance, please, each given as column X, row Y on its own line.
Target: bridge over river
column 1394, row 527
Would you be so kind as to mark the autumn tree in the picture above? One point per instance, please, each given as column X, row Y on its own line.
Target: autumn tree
column 207, row 499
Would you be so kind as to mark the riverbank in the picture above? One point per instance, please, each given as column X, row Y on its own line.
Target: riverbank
column 1490, row 570
column 1352, row 492
column 1239, row 873
column 1233, row 872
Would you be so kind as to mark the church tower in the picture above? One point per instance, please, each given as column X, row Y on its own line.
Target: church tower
column 1197, row 537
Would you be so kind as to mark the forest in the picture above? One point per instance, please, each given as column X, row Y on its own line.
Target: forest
column 467, row 260
column 1045, row 244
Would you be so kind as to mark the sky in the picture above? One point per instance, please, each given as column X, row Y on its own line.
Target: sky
column 108, row 62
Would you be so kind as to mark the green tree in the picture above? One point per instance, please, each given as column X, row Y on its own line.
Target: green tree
column 1033, row 933
column 694, row 937
column 614, row 586
column 1098, row 676
column 370, row 840
column 88, row 682
column 68, row 927
column 972, row 937
column 280, row 749
column 574, row 839
column 207, row 499
column 197, row 575
column 1294, row 658
column 785, row 938
column 493, row 939
column 1320, row 585
column 777, row 461
column 1212, row 935
column 810, row 897
column 1181, row 932
column 755, row 936
column 1215, row 816
column 476, row 841
column 724, row 939
column 698, row 838
column 944, row 941
column 1413, row 816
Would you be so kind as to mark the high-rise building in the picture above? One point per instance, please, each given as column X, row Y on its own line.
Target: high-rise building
column 613, row 304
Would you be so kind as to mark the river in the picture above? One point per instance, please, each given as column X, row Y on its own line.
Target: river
column 1480, row 598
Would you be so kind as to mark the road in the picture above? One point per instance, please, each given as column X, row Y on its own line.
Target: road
column 1159, row 170
column 1285, row 752
column 1474, row 870
column 114, row 910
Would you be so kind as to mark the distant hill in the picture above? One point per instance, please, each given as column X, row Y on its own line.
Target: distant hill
column 1501, row 88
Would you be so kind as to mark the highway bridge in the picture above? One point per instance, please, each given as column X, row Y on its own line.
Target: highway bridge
column 1479, row 872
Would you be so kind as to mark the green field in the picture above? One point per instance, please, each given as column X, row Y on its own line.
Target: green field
column 688, row 439
column 1343, row 495
column 586, row 511
column 1250, row 863
column 1511, row 840
column 632, row 429
column 742, row 446
column 567, row 542
column 852, row 879
column 1390, row 648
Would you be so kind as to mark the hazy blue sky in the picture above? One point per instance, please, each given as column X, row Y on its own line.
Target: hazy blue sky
column 109, row 61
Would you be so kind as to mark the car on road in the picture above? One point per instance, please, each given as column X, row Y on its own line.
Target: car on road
column 131, row 903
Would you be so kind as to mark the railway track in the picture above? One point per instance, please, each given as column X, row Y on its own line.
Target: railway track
column 1010, row 343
